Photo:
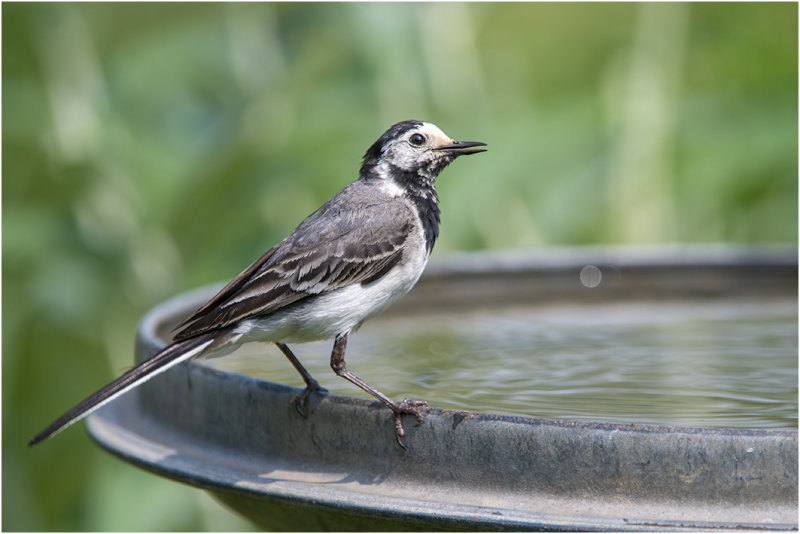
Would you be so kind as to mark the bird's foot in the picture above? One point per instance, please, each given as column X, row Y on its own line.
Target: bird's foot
column 411, row 407
column 300, row 400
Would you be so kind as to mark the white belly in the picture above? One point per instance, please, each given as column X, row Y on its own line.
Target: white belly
column 340, row 311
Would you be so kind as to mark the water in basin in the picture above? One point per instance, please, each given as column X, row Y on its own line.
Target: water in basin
column 721, row 363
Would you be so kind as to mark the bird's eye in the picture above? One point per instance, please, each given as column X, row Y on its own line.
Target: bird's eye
column 417, row 139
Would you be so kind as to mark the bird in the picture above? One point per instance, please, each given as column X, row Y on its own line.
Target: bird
column 359, row 252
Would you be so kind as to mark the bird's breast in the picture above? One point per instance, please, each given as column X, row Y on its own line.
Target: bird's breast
column 345, row 309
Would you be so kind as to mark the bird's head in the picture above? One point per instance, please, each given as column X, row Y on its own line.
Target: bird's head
column 414, row 149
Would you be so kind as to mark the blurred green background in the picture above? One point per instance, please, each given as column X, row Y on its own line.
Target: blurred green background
column 152, row 148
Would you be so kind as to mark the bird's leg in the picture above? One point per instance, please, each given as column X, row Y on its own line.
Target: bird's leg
column 412, row 407
column 311, row 384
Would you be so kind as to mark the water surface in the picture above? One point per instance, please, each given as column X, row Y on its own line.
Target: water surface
column 722, row 363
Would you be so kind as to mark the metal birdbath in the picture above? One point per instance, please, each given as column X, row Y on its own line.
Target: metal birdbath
column 339, row 468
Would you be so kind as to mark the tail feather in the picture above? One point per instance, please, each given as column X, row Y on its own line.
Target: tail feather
column 160, row 362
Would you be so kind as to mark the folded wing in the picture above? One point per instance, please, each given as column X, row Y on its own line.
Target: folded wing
column 334, row 247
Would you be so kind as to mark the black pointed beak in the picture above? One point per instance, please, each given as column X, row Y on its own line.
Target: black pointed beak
column 462, row 148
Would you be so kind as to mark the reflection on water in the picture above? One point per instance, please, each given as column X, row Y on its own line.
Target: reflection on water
column 712, row 364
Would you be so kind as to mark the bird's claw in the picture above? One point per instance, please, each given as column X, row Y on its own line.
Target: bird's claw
column 300, row 400
column 411, row 407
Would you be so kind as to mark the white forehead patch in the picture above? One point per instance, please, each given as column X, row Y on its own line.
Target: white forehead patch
column 433, row 134
column 407, row 156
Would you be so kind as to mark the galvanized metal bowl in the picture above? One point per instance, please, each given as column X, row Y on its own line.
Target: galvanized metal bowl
column 339, row 469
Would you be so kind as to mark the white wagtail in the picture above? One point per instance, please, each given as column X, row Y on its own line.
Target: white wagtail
column 362, row 250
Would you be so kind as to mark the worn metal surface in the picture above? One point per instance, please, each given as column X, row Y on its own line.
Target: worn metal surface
column 340, row 469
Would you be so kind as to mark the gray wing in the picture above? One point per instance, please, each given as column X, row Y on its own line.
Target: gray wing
column 347, row 241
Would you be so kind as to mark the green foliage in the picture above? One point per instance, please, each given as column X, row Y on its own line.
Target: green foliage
column 150, row 148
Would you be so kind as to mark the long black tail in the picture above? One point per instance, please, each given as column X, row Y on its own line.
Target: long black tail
column 160, row 362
